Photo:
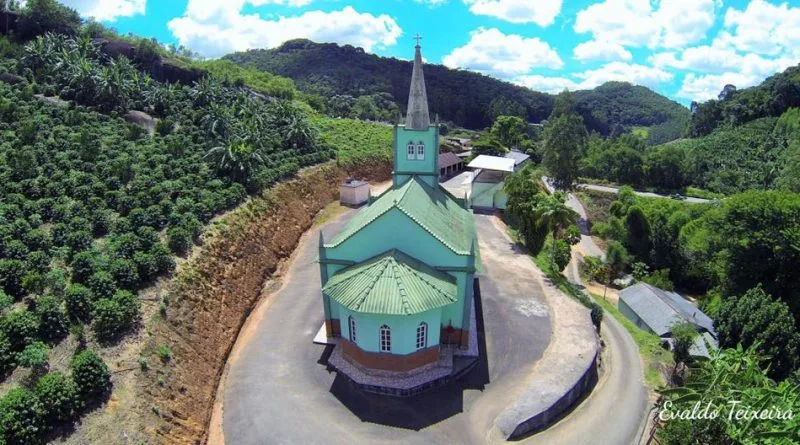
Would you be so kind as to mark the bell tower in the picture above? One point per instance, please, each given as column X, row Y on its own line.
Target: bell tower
column 416, row 141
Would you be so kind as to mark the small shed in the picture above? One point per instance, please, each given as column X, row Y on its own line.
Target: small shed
column 520, row 159
column 354, row 192
column 449, row 164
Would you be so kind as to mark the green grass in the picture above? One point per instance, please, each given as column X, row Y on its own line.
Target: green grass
column 653, row 355
column 695, row 192
column 642, row 132
column 356, row 141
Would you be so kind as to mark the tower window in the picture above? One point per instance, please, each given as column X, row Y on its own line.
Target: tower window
column 420, row 151
column 410, row 154
column 386, row 339
column 422, row 335
column 352, row 323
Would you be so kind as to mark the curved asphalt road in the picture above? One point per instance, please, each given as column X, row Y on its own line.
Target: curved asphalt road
column 616, row 411
column 277, row 389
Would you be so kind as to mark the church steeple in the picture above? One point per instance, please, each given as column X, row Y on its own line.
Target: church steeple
column 418, row 117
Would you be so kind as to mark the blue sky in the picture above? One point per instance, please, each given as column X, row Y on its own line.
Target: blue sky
column 685, row 49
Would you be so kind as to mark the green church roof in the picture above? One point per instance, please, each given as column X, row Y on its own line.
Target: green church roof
column 392, row 283
column 431, row 208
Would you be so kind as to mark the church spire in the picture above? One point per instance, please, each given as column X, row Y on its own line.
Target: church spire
column 418, row 117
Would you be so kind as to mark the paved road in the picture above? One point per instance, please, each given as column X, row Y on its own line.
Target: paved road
column 610, row 189
column 621, row 389
column 278, row 390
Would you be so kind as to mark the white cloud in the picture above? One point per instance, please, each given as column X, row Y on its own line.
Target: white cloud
column 629, row 72
column 671, row 24
column 752, row 69
column 547, row 84
column 107, row 10
column 213, row 28
column 636, row 74
column 595, row 50
column 541, row 12
column 762, row 28
column 503, row 55
column 431, row 3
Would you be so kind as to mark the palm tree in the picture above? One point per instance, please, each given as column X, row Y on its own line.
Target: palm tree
column 239, row 160
column 553, row 213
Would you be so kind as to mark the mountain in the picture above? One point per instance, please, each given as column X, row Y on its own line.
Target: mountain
column 466, row 98
column 772, row 97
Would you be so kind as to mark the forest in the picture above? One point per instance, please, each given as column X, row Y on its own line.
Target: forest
column 342, row 74
column 736, row 255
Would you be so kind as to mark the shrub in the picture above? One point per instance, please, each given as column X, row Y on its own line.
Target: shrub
column 163, row 259
column 8, row 358
column 164, row 353
column 179, row 240
column 79, row 302
column 20, row 327
column 34, row 356
column 33, row 283
column 562, row 254
column 125, row 274
column 22, row 421
column 5, row 301
column 107, row 319
column 83, row 266
column 79, row 240
column 56, row 281
column 11, row 274
column 115, row 315
column 146, row 266
column 53, row 323
column 102, row 285
column 130, row 306
column 58, row 397
column 91, row 375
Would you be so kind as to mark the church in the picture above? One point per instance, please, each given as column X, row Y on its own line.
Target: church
column 397, row 281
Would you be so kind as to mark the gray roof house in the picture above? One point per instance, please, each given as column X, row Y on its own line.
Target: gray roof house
column 519, row 158
column 656, row 310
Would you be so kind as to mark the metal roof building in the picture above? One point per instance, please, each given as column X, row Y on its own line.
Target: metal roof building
column 656, row 310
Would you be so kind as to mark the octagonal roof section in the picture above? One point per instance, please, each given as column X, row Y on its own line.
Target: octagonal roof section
column 392, row 283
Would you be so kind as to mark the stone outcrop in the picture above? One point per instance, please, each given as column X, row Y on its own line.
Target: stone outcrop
column 141, row 119
column 11, row 79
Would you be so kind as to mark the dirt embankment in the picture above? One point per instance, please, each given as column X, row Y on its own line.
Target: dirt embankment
column 215, row 292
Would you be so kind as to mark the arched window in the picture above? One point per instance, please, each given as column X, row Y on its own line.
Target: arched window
column 410, row 151
column 422, row 335
column 420, row 151
column 352, row 323
column 386, row 339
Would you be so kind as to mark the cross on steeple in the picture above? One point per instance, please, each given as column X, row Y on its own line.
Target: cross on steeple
column 417, row 38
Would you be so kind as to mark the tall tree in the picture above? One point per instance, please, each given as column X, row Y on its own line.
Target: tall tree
column 637, row 238
column 509, row 130
column 565, row 141
column 754, row 318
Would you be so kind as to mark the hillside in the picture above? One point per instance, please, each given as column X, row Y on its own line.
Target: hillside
column 772, row 97
column 465, row 98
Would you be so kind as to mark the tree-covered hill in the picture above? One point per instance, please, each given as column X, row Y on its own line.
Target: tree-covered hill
column 466, row 98
column 772, row 97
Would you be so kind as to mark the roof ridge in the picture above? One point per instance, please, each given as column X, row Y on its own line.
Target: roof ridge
column 371, row 285
column 431, row 284
column 401, row 287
